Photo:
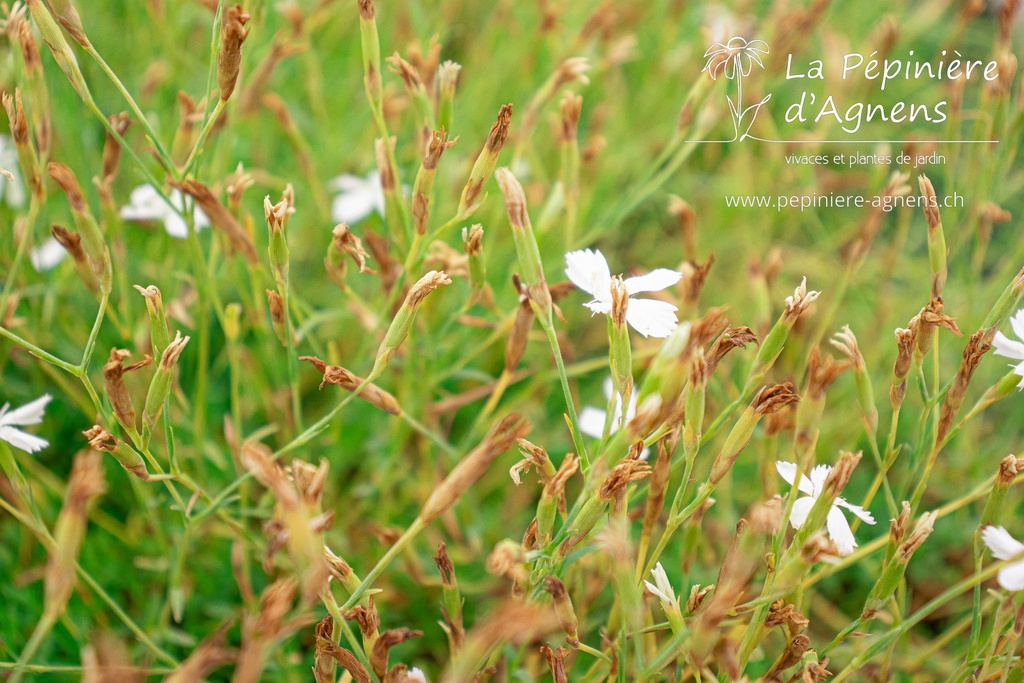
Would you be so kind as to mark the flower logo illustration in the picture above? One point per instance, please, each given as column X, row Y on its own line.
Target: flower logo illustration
column 735, row 60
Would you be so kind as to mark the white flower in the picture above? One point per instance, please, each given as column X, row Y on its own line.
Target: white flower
column 147, row 205
column 28, row 414
column 1010, row 348
column 12, row 190
column 589, row 271
column 417, row 675
column 358, row 198
column 592, row 419
column 838, row 528
column 1006, row 547
column 662, row 589
column 47, row 255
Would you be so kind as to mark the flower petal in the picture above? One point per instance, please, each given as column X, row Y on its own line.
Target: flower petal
column 47, row 255
column 1008, row 348
column 145, row 204
column 1011, row 577
column 864, row 515
column 19, row 439
column 656, row 591
column 1017, row 323
column 651, row 318
column 595, row 306
column 1001, row 543
column 28, row 414
column 592, row 422
column 839, row 531
column 801, row 508
column 819, row 473
column 654, row 281
column 787, row 470
column 589, row 271
column 352, row 207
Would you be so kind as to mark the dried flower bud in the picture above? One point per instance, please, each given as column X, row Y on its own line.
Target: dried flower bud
column 424, row 183
column 556, row 661
column 117, row 392
column 111, row 145
column 936, row 237
column 732, row 338
column 370, row 393
column 629, row 469
column 696, row 598
column 978, row 345
column 378, row 654
column 485, row 163
column 563, row 609
column 472, row 467
column 772, row 399
column 102, row 440
column 367, row 618
column 800, row 301
column 343, row 242
column 687, row 220
column 402, row 323
column 232, row 34
column 526, row 243
column 898, row 525
column 84, row 485
column 221, row 218
column 780, row 613
column 160, row 386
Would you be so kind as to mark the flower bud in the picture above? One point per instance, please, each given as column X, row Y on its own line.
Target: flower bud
column 402, row 323
column 768, row 400
column 232, row 34
column 221, row 218
column 35, row 84
column 370, row 393
column 371, row 55
column 552, row 496
column 73, row 244
column 158, row 335
column 414, row 86
column 563, row 609
column 447, row 77
column 620, row 354
column 85, row 484
column 474, row 465
column 485, row 163
column 58, row 45
column 452, row 599
column 977, row 346
column 774, row 342
column 526, row 244
column 424, row 183
column 160, row 386
column 117, row 392
column 102, row 440
column 936, row 237
column 92, row 237
column 28, row 160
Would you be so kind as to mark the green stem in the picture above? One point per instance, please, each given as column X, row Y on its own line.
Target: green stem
column 577, row 435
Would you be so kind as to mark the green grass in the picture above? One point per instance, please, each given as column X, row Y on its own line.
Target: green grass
column 142, row 548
